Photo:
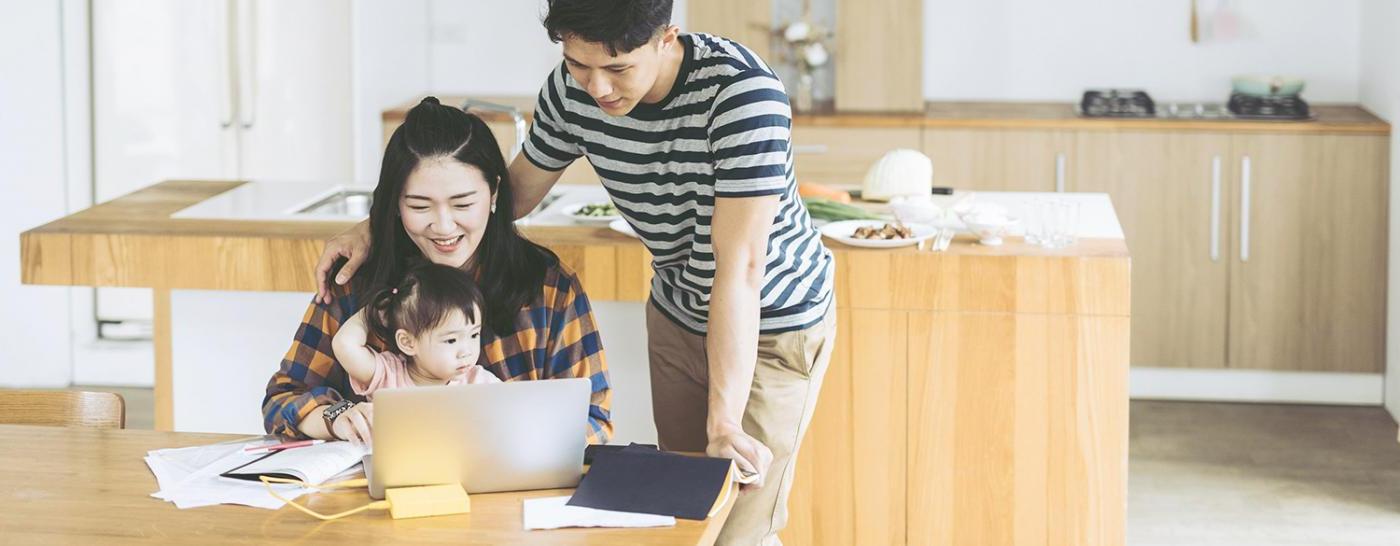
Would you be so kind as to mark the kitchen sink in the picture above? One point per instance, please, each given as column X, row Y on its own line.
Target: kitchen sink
column 321, row 201
column 342, row 202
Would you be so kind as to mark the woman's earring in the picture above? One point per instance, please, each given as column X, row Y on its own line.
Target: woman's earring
column 493, row 207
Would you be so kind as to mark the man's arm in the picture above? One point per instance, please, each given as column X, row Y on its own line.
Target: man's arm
column 529, row 184
column 739, row 236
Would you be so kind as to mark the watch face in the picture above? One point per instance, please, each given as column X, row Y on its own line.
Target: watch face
column 338, row 408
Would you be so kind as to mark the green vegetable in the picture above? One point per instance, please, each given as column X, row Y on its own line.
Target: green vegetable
column 825, row 209
column 597, row 210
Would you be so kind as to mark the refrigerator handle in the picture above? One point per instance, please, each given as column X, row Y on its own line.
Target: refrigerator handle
column 227, row 62
column 248, row 65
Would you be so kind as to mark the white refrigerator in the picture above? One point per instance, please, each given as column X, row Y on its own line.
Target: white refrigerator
column 204, row 89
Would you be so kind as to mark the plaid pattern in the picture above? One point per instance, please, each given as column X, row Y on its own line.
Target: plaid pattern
column 555, row 336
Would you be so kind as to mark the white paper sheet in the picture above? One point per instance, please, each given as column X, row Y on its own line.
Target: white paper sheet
column 553, row 513
column 189, row 477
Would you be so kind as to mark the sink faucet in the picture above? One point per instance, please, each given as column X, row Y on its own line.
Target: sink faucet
column 515, row 116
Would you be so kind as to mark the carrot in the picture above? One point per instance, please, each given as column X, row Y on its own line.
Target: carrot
column 812, row 189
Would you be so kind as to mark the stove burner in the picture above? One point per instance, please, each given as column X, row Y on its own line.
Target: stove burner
column 1117, row 103
column 1256, row 107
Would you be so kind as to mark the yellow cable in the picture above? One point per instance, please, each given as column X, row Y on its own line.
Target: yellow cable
column 377, row 505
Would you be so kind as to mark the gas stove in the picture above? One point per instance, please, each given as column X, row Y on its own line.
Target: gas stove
column 1133, row 103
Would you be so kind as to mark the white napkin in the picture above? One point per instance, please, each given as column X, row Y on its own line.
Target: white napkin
column 553, row 513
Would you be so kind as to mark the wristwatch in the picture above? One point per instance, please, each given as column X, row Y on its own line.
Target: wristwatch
column 331, row 412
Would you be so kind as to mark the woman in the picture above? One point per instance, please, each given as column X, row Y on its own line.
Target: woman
column 442, row 180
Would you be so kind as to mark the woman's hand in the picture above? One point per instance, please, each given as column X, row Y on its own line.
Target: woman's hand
column 353, row 245
column 354, row 424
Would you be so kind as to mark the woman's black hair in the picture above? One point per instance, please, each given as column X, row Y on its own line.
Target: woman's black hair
column 620, row 25
column 509, row 268
column 425, row 297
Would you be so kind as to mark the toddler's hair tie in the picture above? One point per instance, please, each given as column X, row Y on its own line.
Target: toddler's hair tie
column 394, row 291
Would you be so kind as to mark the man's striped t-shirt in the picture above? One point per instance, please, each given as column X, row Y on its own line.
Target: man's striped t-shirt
column 723, row 131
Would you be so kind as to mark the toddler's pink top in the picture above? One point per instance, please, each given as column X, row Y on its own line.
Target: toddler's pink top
column 391, row 371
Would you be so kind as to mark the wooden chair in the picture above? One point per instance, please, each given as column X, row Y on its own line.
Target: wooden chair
column 62, row 408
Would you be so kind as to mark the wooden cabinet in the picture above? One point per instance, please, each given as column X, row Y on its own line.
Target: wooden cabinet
column 1257, row 251
column 1019, row 399
column 1308, row 277
column 1170, row 194
column 999, row 159
column 971, row 399
column 842, row 155
column 743, row 21
column 879, row 56
column 850, row 478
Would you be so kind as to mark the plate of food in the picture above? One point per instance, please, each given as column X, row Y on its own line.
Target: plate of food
column 592, row 213
column 878, row 233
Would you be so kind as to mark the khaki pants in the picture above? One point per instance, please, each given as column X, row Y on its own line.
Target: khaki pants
column 787, row 377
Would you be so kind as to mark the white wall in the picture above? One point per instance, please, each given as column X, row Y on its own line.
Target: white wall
column 990, row 49
column 390, row 66
column 494, row 48
column 1380, row 93
column 1035, row 50
column 35, row 344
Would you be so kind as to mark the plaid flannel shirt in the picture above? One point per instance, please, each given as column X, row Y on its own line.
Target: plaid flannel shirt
column 555, row 336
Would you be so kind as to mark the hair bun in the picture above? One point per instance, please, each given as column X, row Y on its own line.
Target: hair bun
column 431, row 100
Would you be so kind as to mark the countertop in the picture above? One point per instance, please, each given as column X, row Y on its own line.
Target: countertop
column 134, row 241
column 1331, row 118
column 149, row 212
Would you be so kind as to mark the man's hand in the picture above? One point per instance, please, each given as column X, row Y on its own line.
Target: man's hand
column 354, row 424
column 353, row 245
column 747, row 452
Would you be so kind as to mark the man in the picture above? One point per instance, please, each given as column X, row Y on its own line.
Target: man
column 690, row 134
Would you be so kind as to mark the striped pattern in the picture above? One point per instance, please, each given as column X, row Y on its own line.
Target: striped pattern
column 724, row 131
column 555, row 336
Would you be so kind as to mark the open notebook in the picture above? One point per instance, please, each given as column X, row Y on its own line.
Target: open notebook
column 313, row 464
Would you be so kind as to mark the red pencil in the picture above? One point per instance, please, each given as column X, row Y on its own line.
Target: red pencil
column 280, row 447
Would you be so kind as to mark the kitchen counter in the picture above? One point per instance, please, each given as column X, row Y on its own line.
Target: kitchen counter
column 132, row 241
column 968, row 389
column 1331, row 118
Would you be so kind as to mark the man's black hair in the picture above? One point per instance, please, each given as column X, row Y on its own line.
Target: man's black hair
column 620, row 25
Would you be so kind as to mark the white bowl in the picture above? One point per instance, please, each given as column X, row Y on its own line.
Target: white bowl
column 988, row 229
column 919, row 210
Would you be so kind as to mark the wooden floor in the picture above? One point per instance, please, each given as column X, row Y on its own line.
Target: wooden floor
column 1205, row 474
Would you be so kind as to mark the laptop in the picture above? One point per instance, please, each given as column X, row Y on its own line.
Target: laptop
column 512, row 436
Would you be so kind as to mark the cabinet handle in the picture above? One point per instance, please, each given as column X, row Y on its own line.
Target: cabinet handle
column 227, row 61
column 1245, row 175
column 247, row 77
column 1215, row 209
column 1060, row 172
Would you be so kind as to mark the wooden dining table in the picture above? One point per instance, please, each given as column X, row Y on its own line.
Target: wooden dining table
column 87, row 486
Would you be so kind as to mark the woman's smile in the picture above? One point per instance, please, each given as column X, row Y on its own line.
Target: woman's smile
column 447, row 245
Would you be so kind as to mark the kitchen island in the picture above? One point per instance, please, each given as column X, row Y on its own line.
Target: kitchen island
column 976, row 396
